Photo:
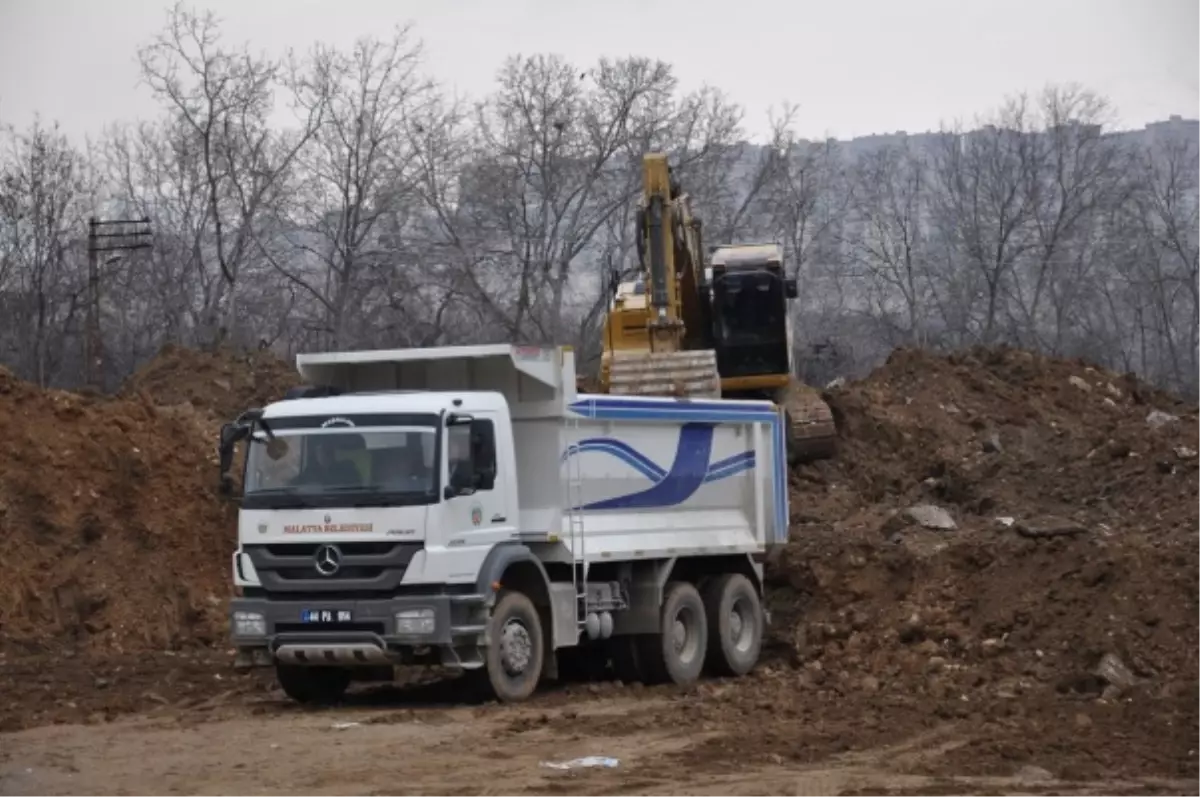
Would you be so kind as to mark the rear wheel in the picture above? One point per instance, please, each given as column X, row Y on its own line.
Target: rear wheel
column 514, row 655
column 313, row 685
column 735, row 620
column 676, row 653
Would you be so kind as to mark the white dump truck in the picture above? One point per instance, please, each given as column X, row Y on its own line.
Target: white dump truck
column 465, row 507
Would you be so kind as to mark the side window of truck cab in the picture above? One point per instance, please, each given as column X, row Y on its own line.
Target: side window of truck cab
column 476, row 445
column 483, row 453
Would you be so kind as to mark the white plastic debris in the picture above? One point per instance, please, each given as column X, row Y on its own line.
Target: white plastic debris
column 341, row 726
column 586, row 762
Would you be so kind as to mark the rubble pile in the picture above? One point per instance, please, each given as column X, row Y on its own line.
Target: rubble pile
column 1002, row 535
column 108, row 509
column 220, row 384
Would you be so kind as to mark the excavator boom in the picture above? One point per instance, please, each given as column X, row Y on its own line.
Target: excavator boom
column 652, row 356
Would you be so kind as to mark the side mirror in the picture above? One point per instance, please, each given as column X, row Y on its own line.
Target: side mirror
column 791, row 288
column 485, row 479
column 231, row 435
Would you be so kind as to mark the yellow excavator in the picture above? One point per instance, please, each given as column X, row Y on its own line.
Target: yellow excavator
column 722, row 330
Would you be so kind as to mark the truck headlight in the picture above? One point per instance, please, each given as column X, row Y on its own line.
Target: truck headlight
column 249, row 624
column 415, row 621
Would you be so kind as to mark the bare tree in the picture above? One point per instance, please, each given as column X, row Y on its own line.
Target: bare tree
column 1075, row 172
column 543, row 178
column 44, row 195
column 224, row 98
column 355, row 175
column 889, row 204
column 981, row 198
column 807, row 196
column 1167, row 213
column 155, row 170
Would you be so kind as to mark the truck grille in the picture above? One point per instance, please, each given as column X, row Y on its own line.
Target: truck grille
column 361, row 566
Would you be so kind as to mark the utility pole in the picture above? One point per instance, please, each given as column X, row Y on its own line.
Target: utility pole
column 119, row 235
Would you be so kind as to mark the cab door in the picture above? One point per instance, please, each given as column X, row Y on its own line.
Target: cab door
column 483, row 517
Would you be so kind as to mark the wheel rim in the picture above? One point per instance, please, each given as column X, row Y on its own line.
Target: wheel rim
column 516, row 647
column 741, row 625
column 684, row 639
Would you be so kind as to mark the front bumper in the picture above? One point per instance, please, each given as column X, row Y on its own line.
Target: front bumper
column 370, row 639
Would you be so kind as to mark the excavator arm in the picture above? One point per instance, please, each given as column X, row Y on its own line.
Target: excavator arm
column 662, row 356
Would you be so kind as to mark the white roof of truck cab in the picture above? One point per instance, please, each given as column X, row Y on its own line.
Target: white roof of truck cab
column 383, row 403
column 533, row 379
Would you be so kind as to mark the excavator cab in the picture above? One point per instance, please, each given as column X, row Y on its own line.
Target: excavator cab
column 748, row 297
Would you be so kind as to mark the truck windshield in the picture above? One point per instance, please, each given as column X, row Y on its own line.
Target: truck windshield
column 342, row 466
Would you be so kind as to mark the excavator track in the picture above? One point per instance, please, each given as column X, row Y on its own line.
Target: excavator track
column 811, row 433
column 677, row 374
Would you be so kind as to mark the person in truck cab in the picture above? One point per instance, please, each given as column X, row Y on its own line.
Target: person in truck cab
column 402, row 467
column 327, row 464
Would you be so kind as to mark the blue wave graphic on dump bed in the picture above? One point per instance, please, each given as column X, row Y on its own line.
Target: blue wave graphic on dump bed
column 689, row 470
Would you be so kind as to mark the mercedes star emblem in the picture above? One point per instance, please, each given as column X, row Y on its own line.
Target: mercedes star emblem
column 328, row 559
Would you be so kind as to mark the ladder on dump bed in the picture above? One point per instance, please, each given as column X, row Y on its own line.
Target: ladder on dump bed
column 573, row 506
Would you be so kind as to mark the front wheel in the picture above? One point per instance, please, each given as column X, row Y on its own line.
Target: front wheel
column 515, row 654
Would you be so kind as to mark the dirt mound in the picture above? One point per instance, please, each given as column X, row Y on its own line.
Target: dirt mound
column 996, row 433
column 113, row 534
column 116, row 536
column 1003, row 538
column 221, row 383
column 1068, row 655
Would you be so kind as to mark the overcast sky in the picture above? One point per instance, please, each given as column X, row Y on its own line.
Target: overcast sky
column 855, row 66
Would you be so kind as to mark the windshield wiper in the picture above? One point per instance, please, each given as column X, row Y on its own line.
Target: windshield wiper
column 281, row 497
column 346, row 488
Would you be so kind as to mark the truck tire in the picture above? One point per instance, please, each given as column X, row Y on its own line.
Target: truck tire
column 677, row 652
column 735, row 621
column 313, row 685
column 514, row 655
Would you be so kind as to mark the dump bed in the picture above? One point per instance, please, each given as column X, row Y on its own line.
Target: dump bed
column 653, row 477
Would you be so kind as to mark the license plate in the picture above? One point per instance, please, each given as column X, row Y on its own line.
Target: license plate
column 321, row 616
